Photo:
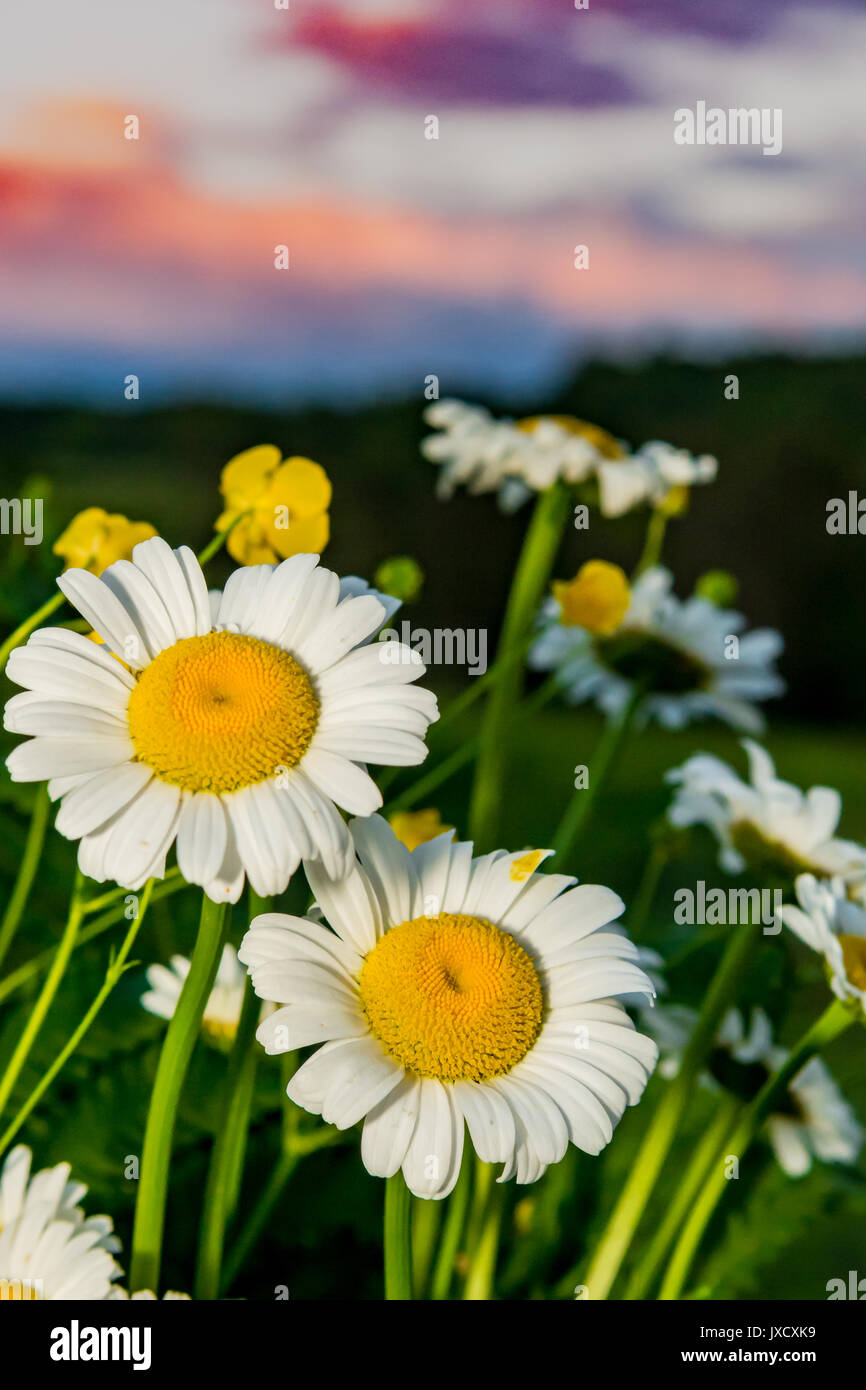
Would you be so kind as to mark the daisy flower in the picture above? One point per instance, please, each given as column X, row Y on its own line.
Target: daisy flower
column 118, row 1293
column 223, row 1009
column 812, row 1119
column 764, row 823
column 276, row 507
column 48, row 1248
column 451, row 991
column 829, row 922
column 691, row 657
column 650, row 477
column 484, row 454
column 237, row 736
column 519, row 457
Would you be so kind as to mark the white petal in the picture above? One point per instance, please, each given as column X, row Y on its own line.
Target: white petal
column 90, row 805
column 432, row 1161
column 202, row 836
column 106, row 615
column 389, row 1127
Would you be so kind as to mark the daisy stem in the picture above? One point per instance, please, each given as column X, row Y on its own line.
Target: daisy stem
column 479, row 1281
column 227, row 1154
column 644, row 897
column 47, row 993
column 426, row 1219
column 452, row 1234
column 464, row 754
column 530, row 581
column 833, row 1021
column 100, row 924
column 23, row 631
column 117, row 966
column 398, row 1242
column 177, row 1049
column 581, row 803
column 714, row 1136
column 657, row 1141
column 26, row 870
column 652, row 550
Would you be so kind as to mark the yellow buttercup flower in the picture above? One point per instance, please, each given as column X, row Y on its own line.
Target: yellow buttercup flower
column 282, row 506
column 596, row 599
column 93, row 540
column 415, row 828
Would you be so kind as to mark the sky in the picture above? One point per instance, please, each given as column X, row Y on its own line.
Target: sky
column 306, row 127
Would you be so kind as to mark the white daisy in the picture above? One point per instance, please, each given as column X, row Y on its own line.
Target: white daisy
column 764, row 822
column 812, row 1119
column 519, row 457
column 118, row 1294
column 225, row 1001
column 680, row 650
column 48, row 1248
column 829, row 922
column 648, row 476
column 237, row 736
column 447, row 990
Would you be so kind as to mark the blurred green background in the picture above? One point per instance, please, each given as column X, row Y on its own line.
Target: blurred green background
column 795, row 438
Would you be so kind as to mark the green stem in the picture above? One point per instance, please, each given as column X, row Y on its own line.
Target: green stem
column 644, row 897
column 479, row 1281
column 452, row 1234
column 530, row 581
column 227, row 1156
column 834, row 1020
column 629, row 1209
column 426, row 1218
column 116, row 968
column 26, row 870
column 650, row 1263
column 101, row 924
column 46, row 996
column 397, row 1241
column 216, row 543
column 652, row 550
column 177, row 1049
column 289, row 1158
column 464, row 754
column 581, row 803
column 23, row 631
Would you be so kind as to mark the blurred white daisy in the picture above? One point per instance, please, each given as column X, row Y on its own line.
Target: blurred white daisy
column 649, row 476
column 452, row 990
column 238, row 736
column 812, row 1119
column 764, row 823
column 48, row 1248
column 691, row 657
column 829, row 922
column 517, row 458
column 225, row 1001
column 118, row 1293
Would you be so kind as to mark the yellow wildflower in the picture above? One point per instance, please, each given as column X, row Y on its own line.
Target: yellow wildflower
column 282, row 506
column 94, row 539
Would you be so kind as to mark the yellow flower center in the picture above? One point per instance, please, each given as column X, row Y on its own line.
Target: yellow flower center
column 604, row 442
column 762, row 854
column 222, row 712
column 596, row 599
column 854, row 957
column 452, row 997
